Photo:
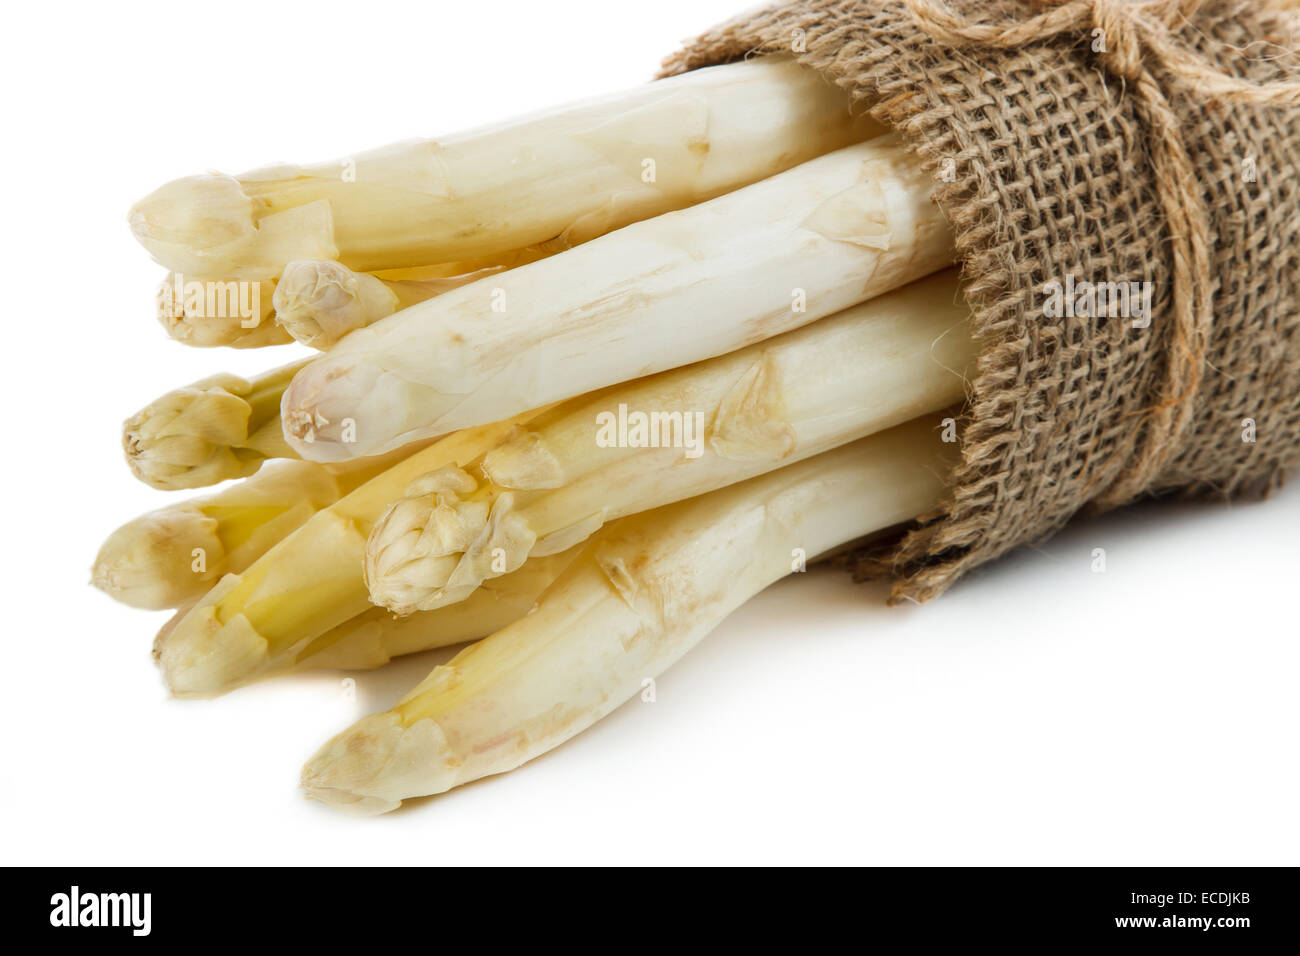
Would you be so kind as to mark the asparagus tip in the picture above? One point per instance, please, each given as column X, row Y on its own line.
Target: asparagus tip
column 378, row 762
column 318, row 301
column 185, row 438
column 190, row 219
column 202, row 656
column 149, row 561
column 440, row 541
column 318, row 407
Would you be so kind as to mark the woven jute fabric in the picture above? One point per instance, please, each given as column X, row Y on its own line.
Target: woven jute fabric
column 1053, row 165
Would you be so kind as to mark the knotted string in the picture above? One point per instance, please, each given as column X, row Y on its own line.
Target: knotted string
column 1138, row 44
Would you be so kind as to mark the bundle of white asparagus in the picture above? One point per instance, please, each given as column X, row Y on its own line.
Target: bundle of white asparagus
column 590, row 379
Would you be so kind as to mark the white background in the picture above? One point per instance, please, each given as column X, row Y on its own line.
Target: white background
column 1039, row 713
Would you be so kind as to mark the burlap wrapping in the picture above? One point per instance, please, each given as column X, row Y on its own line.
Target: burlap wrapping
column 1046, row 154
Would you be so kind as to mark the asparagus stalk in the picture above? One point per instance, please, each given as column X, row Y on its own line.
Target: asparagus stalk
column 318, row 301
column 169, row 557
column 191, row 320
column 306, row 584
column 668, row 437
column 572, row 173
column 656, row 295
column 375, row 636
column 449, row 270
column 218, row 428
column 640, row 595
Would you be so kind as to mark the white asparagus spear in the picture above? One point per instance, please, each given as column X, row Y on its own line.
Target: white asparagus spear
column 660, row 439
column 569, row 174
column 656, row 295
column 169, row 557
column 318, row 301
column 640, row 595
column 375, row 636
column 219, row 428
